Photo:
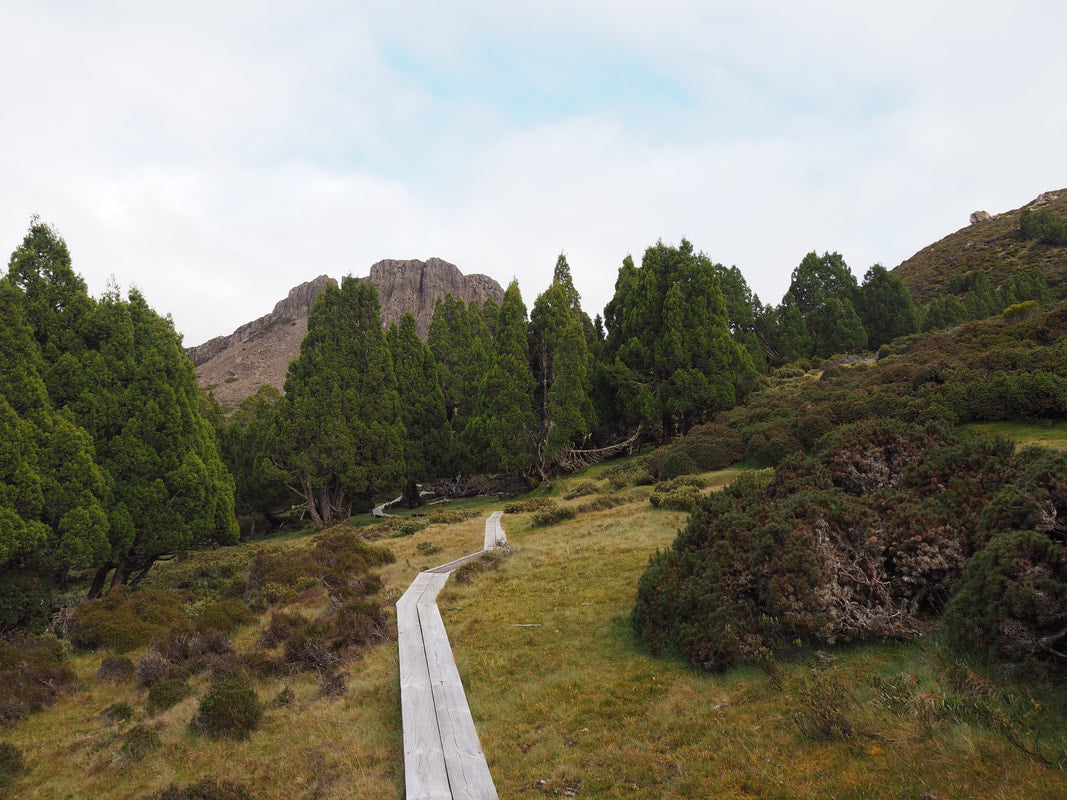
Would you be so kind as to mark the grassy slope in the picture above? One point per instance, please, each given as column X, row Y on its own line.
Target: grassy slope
column 576, row 703
column 993, row 247
column 573, row 705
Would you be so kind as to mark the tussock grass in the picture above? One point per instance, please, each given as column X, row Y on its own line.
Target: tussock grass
column 566, row 699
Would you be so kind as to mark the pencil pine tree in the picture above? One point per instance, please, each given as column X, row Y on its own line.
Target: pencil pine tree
column 340, row 417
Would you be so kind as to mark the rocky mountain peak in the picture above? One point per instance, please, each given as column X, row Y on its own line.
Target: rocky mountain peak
column 259, row 352
column 414, row 286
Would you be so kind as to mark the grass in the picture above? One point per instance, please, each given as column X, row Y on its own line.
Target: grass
column 566, row 700
column 1052, row 435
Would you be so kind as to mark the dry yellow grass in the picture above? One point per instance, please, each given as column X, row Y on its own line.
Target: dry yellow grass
column 566, row 701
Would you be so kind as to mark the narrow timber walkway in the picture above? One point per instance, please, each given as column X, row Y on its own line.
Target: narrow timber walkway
column 443, row 758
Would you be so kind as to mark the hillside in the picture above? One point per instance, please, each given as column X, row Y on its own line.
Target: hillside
column 992, row 244
column 259, row 352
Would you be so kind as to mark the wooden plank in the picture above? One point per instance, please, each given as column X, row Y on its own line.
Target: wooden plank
column 494, row 531
column 443, row 757
column 468, row 774
column 425, row 771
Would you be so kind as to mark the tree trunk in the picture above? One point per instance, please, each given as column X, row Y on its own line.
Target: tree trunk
column 97, row 587
column 122, row 572
column 411, row 495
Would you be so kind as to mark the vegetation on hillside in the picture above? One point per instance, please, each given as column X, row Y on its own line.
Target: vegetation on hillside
column 881, row 520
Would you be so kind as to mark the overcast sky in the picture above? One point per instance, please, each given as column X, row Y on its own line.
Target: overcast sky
column 215, row 154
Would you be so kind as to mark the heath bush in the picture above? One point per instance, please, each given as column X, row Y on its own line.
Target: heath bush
column 166, row 694
column 230, row 709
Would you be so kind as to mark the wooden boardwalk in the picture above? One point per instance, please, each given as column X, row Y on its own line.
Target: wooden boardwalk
column 443, row 758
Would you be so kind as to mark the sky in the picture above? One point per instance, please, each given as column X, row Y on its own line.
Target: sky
column 215, row 154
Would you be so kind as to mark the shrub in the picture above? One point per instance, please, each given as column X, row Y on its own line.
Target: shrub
column 122, row 622
column 34, row 674
column 117, row 712
column 427, row 548
column 230, row 709
column 680, row 498
column 486, row 562
column 337, row 558
column 602, row 503
column 115, row 669
column 206, row 789
column 152, row 668
column 526, row 506
column 166, row 694
column 551, row 513
column 581, row 490
column 1009, row 604
column 11, row 765
column 224, row 616
column 861, row 542
column 138, row 742
column 96, row 624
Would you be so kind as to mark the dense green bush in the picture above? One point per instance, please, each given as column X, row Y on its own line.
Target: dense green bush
column 166, row 694
column 223, row 615
column 706, row 447
column 1011, row 604
column 230, row 709
column 122, row 621
column 552, row 513
column 865, row 539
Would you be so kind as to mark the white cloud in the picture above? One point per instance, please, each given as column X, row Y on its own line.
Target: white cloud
column 218, row 154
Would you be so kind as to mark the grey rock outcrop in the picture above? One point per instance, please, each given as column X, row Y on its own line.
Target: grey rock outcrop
column 980, row 216
column 414, row 286
column 295, row 306
column 259, row 352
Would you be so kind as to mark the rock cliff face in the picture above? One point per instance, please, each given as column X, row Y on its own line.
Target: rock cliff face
column 259, row 352
column 415, row 286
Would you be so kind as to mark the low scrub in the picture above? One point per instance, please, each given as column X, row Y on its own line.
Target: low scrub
column 138, row 742
column 868, row 540
column 551, row 513
column 11, row 766
column 230, row 709
column 121, row 621
column 34, row 674
column 166, row 694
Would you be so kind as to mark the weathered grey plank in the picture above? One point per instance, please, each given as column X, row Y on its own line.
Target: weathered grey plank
column 443, row 757
column 494, row 531
column 425, row 771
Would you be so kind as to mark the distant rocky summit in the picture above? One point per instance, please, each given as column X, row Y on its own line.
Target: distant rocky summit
column 259, row 352
column 415, row 286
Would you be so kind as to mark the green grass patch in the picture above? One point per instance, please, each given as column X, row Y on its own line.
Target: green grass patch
column 1052, row 435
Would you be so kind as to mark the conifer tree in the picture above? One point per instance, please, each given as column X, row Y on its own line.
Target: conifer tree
column 340, row 417
column 458, row 345
column 119, row 369
column 562, row 367
column 886, row 307
column 51, row 515
column 500, row 436
column 170, row 487
column 826, row 295
column 247, row 445
column 668, row 331
column 427, row 436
